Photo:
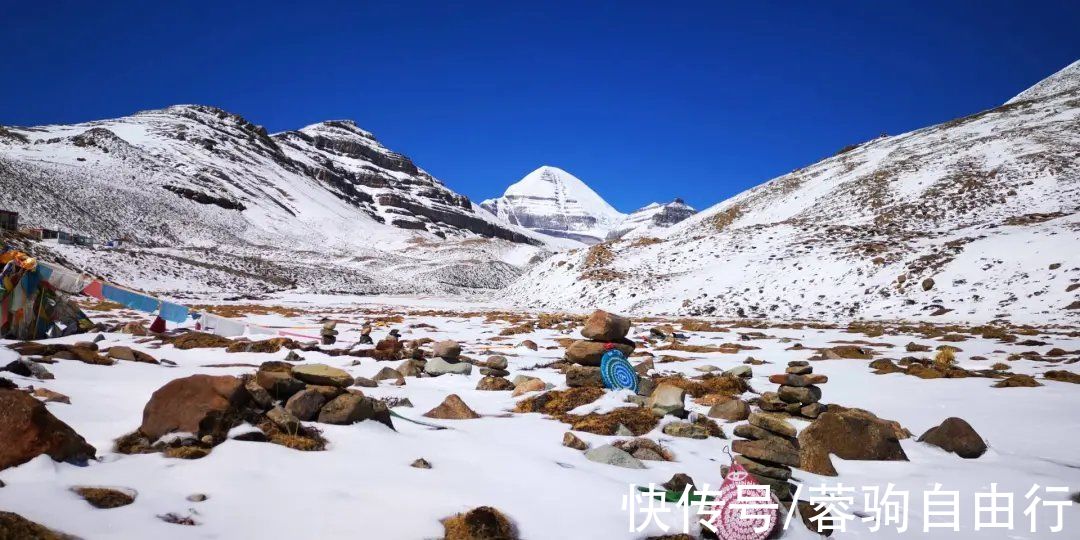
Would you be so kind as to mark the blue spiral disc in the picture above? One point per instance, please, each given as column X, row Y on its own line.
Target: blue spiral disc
column 616, row 371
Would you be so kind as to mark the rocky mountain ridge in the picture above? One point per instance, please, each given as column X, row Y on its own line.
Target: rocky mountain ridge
column 193, row 179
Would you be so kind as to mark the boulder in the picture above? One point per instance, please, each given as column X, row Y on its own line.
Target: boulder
column 531, row 384
column 449, row 349
column 365, row 382
column 799, row 370
column 411, row 368
column 452, row 408
column 322, row 374
column 203, row 405
column 790, row 379
column 604, row 326
column 850, row 436
column 28, row 368
column 579, row 376
column 732, row 410
column 812, row 410
column 800, row 394
column 280, row 384
column 482, row 523
column 570, row 440
column 28, row 429
column 667, row 399
column 306, row 404
column 496, row 362
column 589, row 353
column 259, row 395
column 528, row 344
column 687, row 430
column 438, row 366
column 120, row 352
column 389, row 374
column 15, row 527
column 609, row 455
column 285, row 420
column 957, row 436
column 350, row 408
column 494, row 384
column 743, row 371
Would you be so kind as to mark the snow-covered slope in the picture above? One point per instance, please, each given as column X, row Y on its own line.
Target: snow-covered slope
column 977, row 218
column 649, row 220
column 1062, row 81
column 554, row 202
column 192, row 177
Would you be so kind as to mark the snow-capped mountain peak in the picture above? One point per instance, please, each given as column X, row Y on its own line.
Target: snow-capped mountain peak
column 652, row 219
column 554, row 202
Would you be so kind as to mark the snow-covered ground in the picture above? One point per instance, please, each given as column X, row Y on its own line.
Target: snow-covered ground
column 362, row 486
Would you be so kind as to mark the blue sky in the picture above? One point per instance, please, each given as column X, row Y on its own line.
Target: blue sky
column 644, row 101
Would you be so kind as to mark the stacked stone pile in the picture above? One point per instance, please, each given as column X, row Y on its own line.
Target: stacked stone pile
column 769, row 451
column 799, row 393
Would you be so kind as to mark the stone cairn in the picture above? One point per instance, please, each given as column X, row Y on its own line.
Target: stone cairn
column 799, row 394
column 771, row 448
column 601, row 328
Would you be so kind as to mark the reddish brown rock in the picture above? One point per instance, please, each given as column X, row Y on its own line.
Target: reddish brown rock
column 589, row 353
column 452, row 408
column 604, row 326
column 28, row 429
column 199, row 404
column 850, row 436
column 957, row 436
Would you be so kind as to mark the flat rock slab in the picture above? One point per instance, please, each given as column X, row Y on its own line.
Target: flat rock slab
column 322, row 374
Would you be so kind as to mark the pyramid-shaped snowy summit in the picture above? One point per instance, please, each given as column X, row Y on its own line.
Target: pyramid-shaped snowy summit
column 552, row 201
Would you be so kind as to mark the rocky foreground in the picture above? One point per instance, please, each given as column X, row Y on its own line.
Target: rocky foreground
column 486, row 424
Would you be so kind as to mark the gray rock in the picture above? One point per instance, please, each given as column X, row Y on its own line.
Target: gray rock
column 365, row 382
column 686, row 429
column 623, row 431
column 438, row 366
column 740, row 371
column 609, row 455
column 306, row 404
column 667, row 399
column 351, row 408
column 285, row 420
column 259, row 395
